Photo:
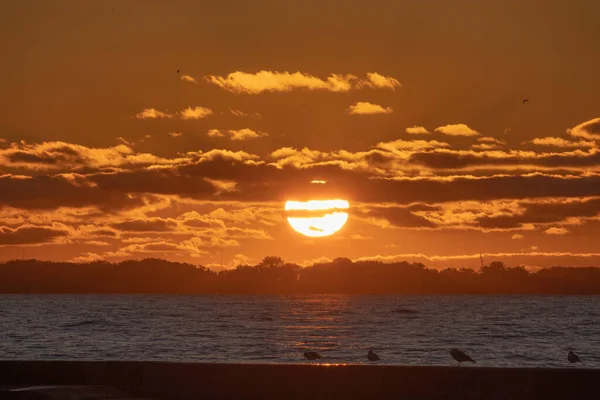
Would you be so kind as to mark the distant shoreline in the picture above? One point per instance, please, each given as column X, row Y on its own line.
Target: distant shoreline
column 274, row 276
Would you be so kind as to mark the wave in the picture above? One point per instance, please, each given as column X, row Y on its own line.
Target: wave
column 405, row 311
column 84, row 323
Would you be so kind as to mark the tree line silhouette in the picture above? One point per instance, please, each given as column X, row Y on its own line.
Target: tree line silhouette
column 275, row 276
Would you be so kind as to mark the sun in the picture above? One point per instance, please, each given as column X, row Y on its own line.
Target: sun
column 317, row 218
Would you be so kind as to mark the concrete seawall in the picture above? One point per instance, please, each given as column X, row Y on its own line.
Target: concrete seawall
column 296, row 381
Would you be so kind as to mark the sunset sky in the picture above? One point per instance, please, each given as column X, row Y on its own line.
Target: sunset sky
column 412, row 111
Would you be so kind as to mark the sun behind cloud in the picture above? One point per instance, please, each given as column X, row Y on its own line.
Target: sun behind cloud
column 317, row 218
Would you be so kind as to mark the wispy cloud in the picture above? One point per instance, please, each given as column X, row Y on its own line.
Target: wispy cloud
column 245, row 134
column 188, row 78
column 195, row 112
column 517, row 236
column 239, row 113
column 556, row 231
column 152, row 113
column 366, row 108
column 274, row 81
column 411, row 145
column 560, row 142
column 215, row 133
column 485, row 146
column 376, row 80
column 489, row 139
column 456, row 130
column 125, row 141
column 587, row 130
column 417, row 130
column 237, row 134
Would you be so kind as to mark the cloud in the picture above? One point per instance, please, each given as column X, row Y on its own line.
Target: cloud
column 239, row 113
column 517, row 236
column 146, row 225
column 237, row 134
column 175, row 134
column 542, row 212
column 87, row 258
column 489, row 139
column 188, row 78
column 560, row 142
column 506, row 160
column 152, row 113
column 456, row 130
column 67, row 156
column 587, row 130
column 96, row 243
column 379, row 81
column 30, row 235
column 411, row 145
column 488, row 143
column 556, row 231
column 485, row 146
column 2, row 141
column 245, row 134
column 215, row 133
column 274, row 81
column 125, row 142
column 417, row 130
column 195, row 112
column 520, row 257
column 366, row 108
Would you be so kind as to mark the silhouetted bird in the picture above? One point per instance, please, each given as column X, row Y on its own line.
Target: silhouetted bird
column 312, row 355
column 178, row 70
column 525, row 101
column 372, row 356
column 459, row 356
column 573, row 358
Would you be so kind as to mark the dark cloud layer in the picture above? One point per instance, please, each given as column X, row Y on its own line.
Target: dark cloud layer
column 28, row 234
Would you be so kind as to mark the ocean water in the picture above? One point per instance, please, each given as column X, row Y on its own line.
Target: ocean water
column 520, row 331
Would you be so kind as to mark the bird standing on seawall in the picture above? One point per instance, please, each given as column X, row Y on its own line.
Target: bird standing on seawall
column 372, row 356
column 460, row 356
column 312, row 355
column 573, row 358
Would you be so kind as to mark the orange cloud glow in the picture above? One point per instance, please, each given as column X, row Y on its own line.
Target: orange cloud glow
column 152, row 113
column 457, row 130
column 366, row 108
column 274, row 81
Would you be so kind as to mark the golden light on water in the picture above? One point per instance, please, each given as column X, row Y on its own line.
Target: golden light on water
column 329, row 216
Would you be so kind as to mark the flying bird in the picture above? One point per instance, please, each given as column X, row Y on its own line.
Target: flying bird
column 525, row 101
column 372, row 356
column 178, row 70
column 459, row 356
column 312, row 355
column 573, row 358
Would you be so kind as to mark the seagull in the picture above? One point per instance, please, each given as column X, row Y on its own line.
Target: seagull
column 573, row 358
column 312, row 355
column 525, row 101
column 372, row 356
column 459, row 356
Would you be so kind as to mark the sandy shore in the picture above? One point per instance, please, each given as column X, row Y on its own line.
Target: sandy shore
column 302, row 381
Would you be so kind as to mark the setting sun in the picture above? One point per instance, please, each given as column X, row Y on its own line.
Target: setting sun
column 318, row 217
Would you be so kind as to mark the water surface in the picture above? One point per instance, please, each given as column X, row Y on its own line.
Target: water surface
column 528, row 331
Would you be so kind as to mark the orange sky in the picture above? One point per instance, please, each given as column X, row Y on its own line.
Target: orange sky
column 411, row 110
